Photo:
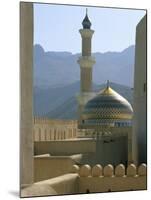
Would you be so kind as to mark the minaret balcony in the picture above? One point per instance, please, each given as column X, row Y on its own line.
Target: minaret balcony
column 86, row 32
column 86, row 61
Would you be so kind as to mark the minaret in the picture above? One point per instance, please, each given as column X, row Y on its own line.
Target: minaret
column 86, row 62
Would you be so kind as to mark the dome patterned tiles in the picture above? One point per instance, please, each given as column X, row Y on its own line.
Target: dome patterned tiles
column 107, row 106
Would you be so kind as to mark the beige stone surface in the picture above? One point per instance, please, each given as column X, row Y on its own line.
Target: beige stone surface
column 75, row 169
column 74, row 183
column 131, row 170
column 120, row 151
column 65, row 147
column 111, row 181
column 108, row 170
column 42, row 155
column 50, row 129
column 89, row 150
column 142, row 170
column 106, row 184
column 86, row 62
column 97, row 170
column 66, row 184
column 85, row 171
column 26, row 101
column 86, row 35
column 50, row 167
column 120, row 170
column 139, row 146
column 38, row 190
column 86, row 79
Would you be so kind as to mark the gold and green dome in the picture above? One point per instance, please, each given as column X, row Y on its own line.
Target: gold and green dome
column 108, row 107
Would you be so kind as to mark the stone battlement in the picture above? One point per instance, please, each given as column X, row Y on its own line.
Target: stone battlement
column 43, row 120
column 45, row 129
column 110, row 171
column 108, row 179
column 85, row 179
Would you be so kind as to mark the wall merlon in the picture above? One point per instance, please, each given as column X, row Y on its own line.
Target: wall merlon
column 108, row 170
column 97, row 170
column 120, row 170
column 142, row 170
column 85, row 171
column 131, row 170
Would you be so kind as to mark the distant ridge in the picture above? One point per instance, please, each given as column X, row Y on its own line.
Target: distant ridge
column 60, row 102
column 61, row 68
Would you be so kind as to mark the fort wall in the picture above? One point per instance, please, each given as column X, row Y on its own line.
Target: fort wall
column 108, row 179
column 51, row 129
column 65, row 147
column 87, row 179
column 65, row 184
column 50, row 167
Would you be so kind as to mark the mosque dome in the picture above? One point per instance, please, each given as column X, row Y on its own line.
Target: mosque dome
column 107, row 108
column 86, row 22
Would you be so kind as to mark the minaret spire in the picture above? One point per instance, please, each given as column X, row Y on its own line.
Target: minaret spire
column 108, row 83
column 86, row 22
column 86, row 11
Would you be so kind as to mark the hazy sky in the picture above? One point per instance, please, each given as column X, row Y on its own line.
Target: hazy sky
column 56, row 27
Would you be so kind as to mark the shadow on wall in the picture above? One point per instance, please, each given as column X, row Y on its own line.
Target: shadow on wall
column 85, row 179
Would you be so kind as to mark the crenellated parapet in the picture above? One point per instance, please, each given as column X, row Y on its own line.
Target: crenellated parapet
column 87, row 179
column 109, row 171
column 44, row 120
column 45, row 129
column 109, row 178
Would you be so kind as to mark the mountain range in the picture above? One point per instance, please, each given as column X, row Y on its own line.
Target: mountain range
column 61, row 68
column 56, row 79
column 61, row 103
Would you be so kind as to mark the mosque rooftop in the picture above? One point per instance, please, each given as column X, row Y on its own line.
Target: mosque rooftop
column 107, row 107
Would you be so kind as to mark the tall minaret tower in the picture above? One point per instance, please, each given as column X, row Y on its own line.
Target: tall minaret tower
column 86, row 62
